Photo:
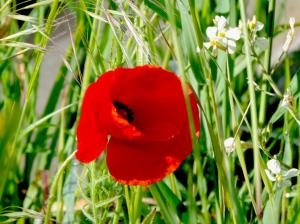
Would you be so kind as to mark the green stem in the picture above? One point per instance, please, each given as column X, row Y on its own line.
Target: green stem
column 254, row 122
column 196, row 24
column 59, row 215
column 117, row 211
column 179, row 56
column 216, row 136
column 192, row 208
column 54, row 186
column 259, row 12
column 128, row 201
column 238, row 145
column 287, row 73
column 225, row 103
column 35, row 74
column 202, row 188
column 169, row 218
column 267, row 62
column 137, row 204
column 93, row 188
column 174, row 186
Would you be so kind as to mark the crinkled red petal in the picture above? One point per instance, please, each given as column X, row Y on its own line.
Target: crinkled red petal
column 136, row 163
column 156, row 98
column 91, row 138
column 143, row 164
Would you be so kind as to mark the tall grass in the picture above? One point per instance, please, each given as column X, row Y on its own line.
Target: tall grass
column 241, row 96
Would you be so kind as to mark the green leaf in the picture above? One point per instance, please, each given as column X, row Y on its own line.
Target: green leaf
column 190, row 43
column 159, row 8
column 277, row 114
column 295, row 85
column 169, row 215
column 149, row 219
column 272, row 209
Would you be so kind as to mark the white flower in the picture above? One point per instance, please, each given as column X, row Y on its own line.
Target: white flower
column 221, row 36
column 229, row 144
column 280, row 175
column 290, row 36
column 254, row 25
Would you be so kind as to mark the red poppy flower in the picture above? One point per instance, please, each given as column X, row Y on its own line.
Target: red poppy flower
column 143, row 111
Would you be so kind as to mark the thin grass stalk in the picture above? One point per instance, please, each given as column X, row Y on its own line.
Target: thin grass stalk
column 225, row 104
column 61, row 146
column 254, row 121
column 59, row 214
column 54, row 186
column 238, row 145
column 117, row 211
column 196, row 24
column 287, row 73
column 258, row 9
column 128, row 201
column 202, row 188
column 91, row 49
column 174, row 186
column 226, row 187
column 169, row 217
column 94, row 193
column 221, row 160
column 35, row 73
column 267, row 62
column 137, row 204
column 179, row 56
column 192, row 208
column 141, row 59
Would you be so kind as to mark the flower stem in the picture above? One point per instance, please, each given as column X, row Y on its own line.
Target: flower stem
column 168, row 216
column 117, row 211
column 53, row 189
column 35, row 73
column 216, row 134
column 254, row 122
column 238, row 145
column 93, row 189
column 137, row 204
column 196, row 25
column 127, row 199
column 267, row 62
column 174, row 186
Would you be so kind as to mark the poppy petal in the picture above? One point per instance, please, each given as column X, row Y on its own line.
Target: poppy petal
column 91, row 138
column 143, row 164
column 156, row 98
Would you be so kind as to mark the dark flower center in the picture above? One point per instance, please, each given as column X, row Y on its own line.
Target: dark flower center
column 124, row 111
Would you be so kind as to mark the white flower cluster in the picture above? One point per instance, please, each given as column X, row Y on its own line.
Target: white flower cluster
column 221, row 36
column 280, row 175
